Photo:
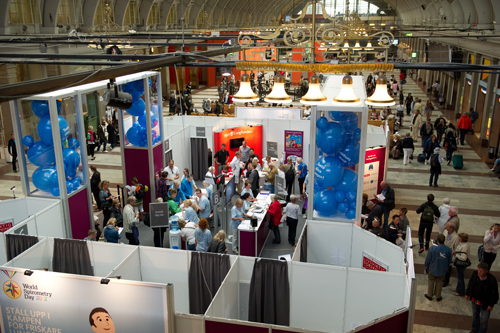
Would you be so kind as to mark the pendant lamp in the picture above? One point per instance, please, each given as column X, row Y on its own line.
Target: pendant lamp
column 346, row 46
column 369, row 46
column 346, row 94
column 278, row 94
column 314, row 95
column 380, row 97
column 245, row 94
column 357, row 46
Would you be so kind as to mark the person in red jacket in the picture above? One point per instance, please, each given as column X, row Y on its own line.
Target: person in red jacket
column 464, row 125
column 275, row 213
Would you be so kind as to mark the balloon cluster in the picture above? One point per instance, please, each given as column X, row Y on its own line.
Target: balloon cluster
column 335, row 188
column 41, row 153
column 137, row 134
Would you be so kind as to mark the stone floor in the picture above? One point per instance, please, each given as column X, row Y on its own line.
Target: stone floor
column 473, row 190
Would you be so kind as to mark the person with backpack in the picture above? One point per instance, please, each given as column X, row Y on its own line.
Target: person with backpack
column 290, row 173
column 435, row 161
column 428, row 211
column 408, row 148
column 450, row 143
column 91, row 142
column 429, row 147
column 464, row 125
column 137, row 190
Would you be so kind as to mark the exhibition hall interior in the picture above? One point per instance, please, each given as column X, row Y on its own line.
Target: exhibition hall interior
column 249, row 166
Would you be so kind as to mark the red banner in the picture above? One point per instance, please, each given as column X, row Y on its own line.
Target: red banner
column 373, row 264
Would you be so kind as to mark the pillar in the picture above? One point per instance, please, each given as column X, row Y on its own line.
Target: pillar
column 474, row 83
column 460, row 94
column 489, row 102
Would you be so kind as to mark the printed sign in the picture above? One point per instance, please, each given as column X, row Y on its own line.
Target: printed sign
column 272, row 149
column 293, row 143
column 280, row 186
column 57, row 303
column 373, row 264
column 6, row 224
column 158, row 214
column 200, row 131
column 216, row 197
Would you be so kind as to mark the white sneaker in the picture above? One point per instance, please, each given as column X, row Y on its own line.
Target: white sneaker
column 105, row 151
column 304, row 215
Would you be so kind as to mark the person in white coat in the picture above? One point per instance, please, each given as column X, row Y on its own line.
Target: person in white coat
column 416, row 123
column 443, row 209
column 236, row 167
column 130, row 219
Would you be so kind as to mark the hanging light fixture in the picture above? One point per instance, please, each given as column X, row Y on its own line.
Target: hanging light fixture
column 225, row 71
column 346, row 46
column 278, row 94
column 245, row 94
column 346, row 94
column 369, row 46
column 380, row 97
column 314, row 95
column 357, row 46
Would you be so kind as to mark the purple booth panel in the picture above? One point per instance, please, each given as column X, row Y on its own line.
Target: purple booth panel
column 220, row 327
column 158, row 158
column 79, row 214
column 136, row 165
column 247, row 243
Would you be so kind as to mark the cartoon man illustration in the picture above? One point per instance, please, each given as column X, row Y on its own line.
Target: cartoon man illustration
column 100, row 321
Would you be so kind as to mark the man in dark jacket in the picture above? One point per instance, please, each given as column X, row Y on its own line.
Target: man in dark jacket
column 95, row 179
column 388, row 203
column 429, row 211
column 254, row 180
column 375, row 211
column 426, row 131
column 393, row 231
column 482, row 291
column 377, row 229
column 13, row 151
column 171, row 104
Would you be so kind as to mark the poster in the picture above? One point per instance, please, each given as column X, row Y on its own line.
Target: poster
column 268, row 113
column 373, row 264
column 63, row 303
column 374, row 170
column 272, row 149
column 293, row 144
column 6, row 224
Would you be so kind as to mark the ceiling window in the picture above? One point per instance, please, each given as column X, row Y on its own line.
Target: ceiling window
column 24, row 12
column 132, row 13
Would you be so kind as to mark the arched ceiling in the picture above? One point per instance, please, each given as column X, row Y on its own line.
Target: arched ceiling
column 453, row 14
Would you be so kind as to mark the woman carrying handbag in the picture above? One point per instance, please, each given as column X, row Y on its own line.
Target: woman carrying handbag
column 461, row 262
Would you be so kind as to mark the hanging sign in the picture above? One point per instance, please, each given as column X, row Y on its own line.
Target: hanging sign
column 373, row 264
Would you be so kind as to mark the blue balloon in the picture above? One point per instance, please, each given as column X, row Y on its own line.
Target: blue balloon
column 350, row 196
column 44, row 130
column 319, row 139
column 73, row 143
column 322, row 123
column 55, row 191
column 138, row 87
column 70, row 172
column 318, row 188
column 133, row 136
column 69, row 187
column 137, row 108
column 340, row 196
column 349, row 155
column 41, row 154
column 328, row 171
column 351, row 214
column 42, row 178
column 333, row 138
column 71, row 157
column 356, row 134
column 154, row 109
column 350, row 121
column 325, row 203
column 349, row 181
column 41, row 108
column 136, row 124
column 338, row 116
column 53, row 180
column 154, row 120
column 76, row 182
column 131, row 88
column 28, row 141
column 343, row 207
column 352, row 204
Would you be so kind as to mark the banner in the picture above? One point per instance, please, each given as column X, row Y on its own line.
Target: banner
column 373, row 264
column 6, row 224
column 63, row 303
column 374, row 171
column 293, row 144
column 268, row 113
column 272, row 149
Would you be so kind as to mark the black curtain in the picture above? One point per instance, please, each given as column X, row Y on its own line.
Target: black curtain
column 269, row 300
column 199, row 158
column 71, row 256
column 206, row 273
column 17, row 244
column 303, row 245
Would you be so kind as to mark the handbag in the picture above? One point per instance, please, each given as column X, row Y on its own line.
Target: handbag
column 135, row 233
column 480, row 253
column 461, row 263
column 283, row 219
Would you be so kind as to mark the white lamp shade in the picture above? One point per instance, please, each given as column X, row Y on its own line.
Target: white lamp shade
column 245, row 93
column 346, row 94
column 278, row 94
column 314, row 95
column 380, row 97
column 369, row 46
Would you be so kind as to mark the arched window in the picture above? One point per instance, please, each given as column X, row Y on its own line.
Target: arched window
column 24, row 12
column 70, row 13
column 339, row 7
column 100, row 13
column 154, row 14
column 132, row 13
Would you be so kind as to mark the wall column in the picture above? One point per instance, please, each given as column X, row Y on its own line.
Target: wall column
column 489, row 102
column 474, row 83
column 460, row 94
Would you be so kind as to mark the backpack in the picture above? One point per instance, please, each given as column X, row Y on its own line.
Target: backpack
column 435, row 160
column 290, row 175
column 428, row 214
column 139, row 192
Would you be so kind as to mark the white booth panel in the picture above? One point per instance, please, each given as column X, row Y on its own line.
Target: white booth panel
column 26, row 227
column 226, row 302
column 329, row 243
column 167, row 266
column 245, row 266
column 185, row 323
column 15, row 209
column 36, row 205
column 317, row 297
column 362, row 240
column 391, row 255
column 106, row 256
column 39, row 256
column 49, row 222
column 129, row 268
column 385, row 290
column 3, row 247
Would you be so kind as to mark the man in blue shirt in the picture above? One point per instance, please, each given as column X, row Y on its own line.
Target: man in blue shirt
column 436, row 264
column 180, row 197
column 306, row 192
column 187, row 186
column 302, row 170
column 203, row 204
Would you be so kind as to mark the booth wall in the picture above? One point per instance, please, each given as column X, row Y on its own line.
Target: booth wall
column 225, row 303
column 181, row 148
column 185, row 323
column 50, row 222
column 129, row 268
column 375, row 164
column 39, row 256
column 15, row 209
column 383, row 300
column 318, row 303
column 106, row 256
column 268, row 113
column 323, row 237
column 36, row 205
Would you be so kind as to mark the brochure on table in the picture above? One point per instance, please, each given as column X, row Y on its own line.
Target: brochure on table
column 259, row 211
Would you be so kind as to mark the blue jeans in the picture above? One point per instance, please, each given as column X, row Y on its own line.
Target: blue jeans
column 449, row 154
column 462, row 135
column 272, row 189
column 191, row 247
column 386, row 218
column 479, row 318
column 460, row 280
column 102, row 142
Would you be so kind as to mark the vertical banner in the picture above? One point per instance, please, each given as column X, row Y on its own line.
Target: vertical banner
column 39, row 301
column 293, row 144
column 272, row 149
column 374, row 171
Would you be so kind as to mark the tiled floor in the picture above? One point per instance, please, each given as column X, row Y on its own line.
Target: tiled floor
column 473, row 190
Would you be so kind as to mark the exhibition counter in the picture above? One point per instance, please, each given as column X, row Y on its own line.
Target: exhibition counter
column 252, row 240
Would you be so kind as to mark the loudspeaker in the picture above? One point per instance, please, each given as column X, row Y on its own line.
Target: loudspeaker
column 253, row 222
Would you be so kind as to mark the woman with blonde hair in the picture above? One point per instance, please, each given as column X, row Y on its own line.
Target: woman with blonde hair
column 491, row 244
column 190, row 210
column 462, row 253
column 111, row 234
column 202, row 236
column 187, row 233
column 106, row 200
column 218, row 243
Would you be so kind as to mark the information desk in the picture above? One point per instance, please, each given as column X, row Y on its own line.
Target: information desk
column 252, row 240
